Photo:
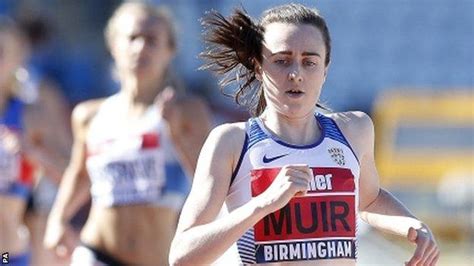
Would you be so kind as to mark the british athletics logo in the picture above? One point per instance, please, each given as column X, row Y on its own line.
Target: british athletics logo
column 320, row 225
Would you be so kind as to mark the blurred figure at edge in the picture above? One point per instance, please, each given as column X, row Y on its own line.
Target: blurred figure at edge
column 30, row 111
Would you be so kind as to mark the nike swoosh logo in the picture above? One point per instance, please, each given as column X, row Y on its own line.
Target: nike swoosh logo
column 271, row 159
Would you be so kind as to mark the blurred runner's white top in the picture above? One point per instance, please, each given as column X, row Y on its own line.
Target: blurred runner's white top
column 133, row 163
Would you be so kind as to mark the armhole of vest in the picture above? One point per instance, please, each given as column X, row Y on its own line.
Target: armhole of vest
column 242, row 153
column 345, row 139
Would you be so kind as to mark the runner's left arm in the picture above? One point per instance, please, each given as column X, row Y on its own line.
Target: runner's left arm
column 381, row 209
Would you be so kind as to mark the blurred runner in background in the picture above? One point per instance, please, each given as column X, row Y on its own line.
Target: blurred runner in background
column 131, row 151
column 33, row 139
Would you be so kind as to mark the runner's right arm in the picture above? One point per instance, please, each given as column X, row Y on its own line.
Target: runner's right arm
column 74, row 188
column 200, row 239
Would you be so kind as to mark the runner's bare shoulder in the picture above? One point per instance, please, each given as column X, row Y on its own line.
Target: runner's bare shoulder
column 84, row 112
column 356, row 126
column 231, row 136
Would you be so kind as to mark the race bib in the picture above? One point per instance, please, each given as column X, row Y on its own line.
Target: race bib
column 131, row 172
column 319, row 225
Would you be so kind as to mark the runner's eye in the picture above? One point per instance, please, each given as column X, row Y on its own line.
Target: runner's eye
column 309, row 63
column 281, row 61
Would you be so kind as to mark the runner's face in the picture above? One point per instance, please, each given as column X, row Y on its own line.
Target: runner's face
column 141, row 47
column 293, row 69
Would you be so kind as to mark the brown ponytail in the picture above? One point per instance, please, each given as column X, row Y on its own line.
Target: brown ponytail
column 234, row 48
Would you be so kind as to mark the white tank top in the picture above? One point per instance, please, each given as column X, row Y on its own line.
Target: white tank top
column 133, row 163
column 320, row 225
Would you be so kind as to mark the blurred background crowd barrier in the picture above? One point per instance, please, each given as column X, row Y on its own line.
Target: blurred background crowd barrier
column 409, row 64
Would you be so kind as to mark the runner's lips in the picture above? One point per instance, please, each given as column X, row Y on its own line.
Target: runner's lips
column 294, row 91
